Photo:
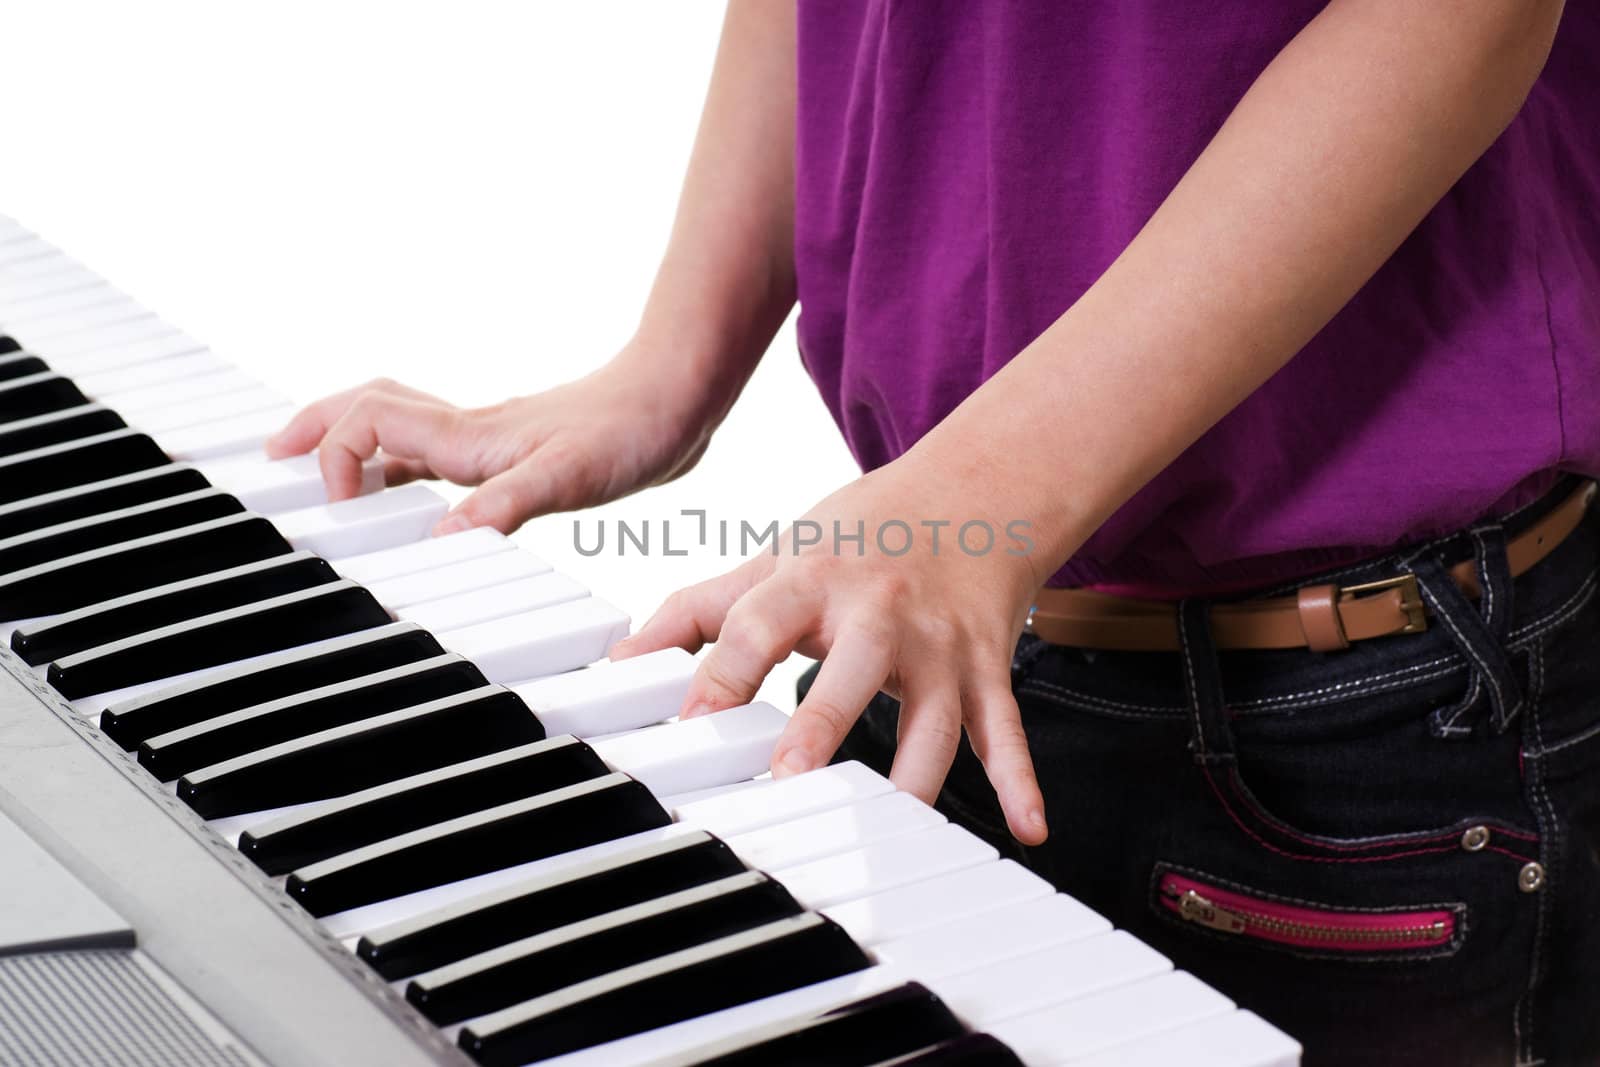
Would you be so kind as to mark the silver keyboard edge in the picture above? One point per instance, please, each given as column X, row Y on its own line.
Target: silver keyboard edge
column 212, row 921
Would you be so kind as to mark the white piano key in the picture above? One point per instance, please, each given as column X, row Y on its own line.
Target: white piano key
column 672, row 801
column 12, row 230
column 1239, row 1039
column 364, row 523
column 361, row 921
column 609, row 697
column 17, row 289
column 547, row 641
column 370, row 568
column 228, row 406
column 107, row 359
column 57, row 266
column 68, row 323
column 99, row 338
column 694, row 1040
column 284, row 484
column 1052, row 975
column 226, row 436
column 107, row 385
column 459, row 579
column 992, row 936
column 922, row 906
column 729, row 746
column 190, row 389
column 790, row 844
column 26, row 249
column 785, row 801
column 23, row 309
column 480, row 605
column 887, row 865
column 1066, row 1032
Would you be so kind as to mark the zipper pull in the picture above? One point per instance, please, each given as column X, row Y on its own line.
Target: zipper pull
column 1197, row 909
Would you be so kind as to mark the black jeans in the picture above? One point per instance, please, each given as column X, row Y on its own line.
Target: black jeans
column 1395, row 848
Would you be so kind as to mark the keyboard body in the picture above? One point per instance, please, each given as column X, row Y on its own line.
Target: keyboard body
column 284, row 782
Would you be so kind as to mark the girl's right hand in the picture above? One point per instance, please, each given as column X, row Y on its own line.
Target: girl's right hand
column 577, row 445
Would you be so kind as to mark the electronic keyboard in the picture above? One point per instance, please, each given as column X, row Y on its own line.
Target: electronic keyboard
column 291, row 782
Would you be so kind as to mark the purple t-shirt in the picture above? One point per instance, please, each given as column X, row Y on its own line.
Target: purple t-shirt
column 966, row 169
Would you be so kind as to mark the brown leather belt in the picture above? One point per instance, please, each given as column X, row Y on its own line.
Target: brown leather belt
column 1323, row 618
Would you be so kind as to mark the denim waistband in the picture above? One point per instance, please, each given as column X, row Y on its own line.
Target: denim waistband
column 1483, row 640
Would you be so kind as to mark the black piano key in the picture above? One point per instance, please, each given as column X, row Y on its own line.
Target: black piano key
column 69, row 424
column 99, row 624
column 299, row 670
column 598, row 886
column 38, row 394
column 971, row 1050
column 596, row 947
column 172, row 755
column 113, row 528
column 339, row 607
column 19, row 364
column 9, row 344
column 601, row 809
column 892, row 1024
column 387, row 811
column 70, row 463
column 117, row 570
column 363, row 754
column 97, row 498
column 763, row 962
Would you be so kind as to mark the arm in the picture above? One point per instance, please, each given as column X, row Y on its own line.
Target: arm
column 725, row 285
column 1342, row 145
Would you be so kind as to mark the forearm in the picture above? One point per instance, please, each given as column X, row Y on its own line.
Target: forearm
column 1340, row 148
column 726, row 282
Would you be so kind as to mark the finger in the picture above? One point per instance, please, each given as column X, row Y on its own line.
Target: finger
column 850, row 676
column 406, row 428
column 757, row 633
column 690, row 617
column 507, row 500
column 930, row 733
column 311, row 424
column 400, row 471
column 994, row 727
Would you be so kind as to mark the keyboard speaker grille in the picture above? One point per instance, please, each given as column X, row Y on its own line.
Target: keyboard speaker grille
column 102, row 1007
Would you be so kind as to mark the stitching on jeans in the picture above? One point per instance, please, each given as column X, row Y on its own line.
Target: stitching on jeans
column 1448, row 726
column 1335, row 687
column 1483, row 575
column 1575, row 739
column 1353, row 844
column 1494, row 683
column 1573, row 605
column 1190, row 682
column 1161, row 710
column 1541, row 796
column 1269, row 846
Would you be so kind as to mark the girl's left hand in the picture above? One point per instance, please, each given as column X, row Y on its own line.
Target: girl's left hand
column 934, row 627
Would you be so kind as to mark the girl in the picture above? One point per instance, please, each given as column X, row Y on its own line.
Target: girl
column 1278, row 325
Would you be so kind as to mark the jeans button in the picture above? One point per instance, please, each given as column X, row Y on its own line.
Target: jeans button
column 1531, row 878
column 1475, row 838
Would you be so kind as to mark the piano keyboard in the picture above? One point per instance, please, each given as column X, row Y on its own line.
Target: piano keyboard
column 417, row 743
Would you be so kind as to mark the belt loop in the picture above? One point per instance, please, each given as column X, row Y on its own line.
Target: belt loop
column 1478, row 633
column 1211, row 740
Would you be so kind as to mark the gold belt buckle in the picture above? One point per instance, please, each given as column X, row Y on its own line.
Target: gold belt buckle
column 1410, row 599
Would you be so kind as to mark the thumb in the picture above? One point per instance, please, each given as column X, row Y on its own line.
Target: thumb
column 505, row 501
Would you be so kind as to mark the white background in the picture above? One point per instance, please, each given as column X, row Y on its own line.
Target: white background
column 470, row 198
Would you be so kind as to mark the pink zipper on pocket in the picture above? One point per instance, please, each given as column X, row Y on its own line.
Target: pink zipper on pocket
column 1304, row 927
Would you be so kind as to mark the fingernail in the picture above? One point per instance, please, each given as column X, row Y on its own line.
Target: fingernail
column 795, row 761
column 1036, row 820
column 694, row 711
column 452, row 523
